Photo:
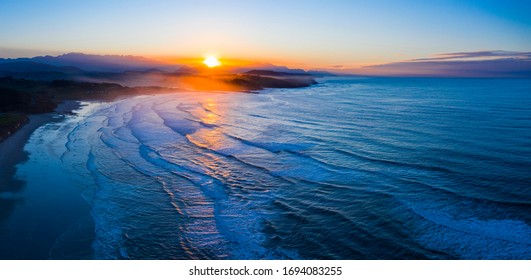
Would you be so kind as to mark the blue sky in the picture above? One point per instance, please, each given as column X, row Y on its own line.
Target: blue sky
column 300, row 33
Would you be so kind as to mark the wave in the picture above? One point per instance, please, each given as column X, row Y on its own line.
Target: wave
column 286, row 175
column 460, row 232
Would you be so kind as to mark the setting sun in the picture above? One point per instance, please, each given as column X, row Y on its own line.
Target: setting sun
column 211, row 61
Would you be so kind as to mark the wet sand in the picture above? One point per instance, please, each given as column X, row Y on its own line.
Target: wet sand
column 39, row 220
column 12, row 149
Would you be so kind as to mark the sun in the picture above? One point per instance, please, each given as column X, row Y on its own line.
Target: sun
column 211, row 61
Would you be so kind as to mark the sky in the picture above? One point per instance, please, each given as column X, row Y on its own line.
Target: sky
column 306, row 34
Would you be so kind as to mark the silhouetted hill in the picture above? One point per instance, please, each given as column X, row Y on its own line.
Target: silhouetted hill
column 102, row 63
column 276, row 73
column 267, row 67
column 33, row 97
column 21, row 97
column 257, row 82
column 186, row 78
column 31, row 66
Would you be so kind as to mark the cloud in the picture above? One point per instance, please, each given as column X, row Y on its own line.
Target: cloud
column 479, row 55
column 487, row 64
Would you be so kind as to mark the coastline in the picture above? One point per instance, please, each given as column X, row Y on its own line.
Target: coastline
column 19, row 199
column 12, row 148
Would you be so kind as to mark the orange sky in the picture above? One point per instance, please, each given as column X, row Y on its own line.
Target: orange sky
column 299, row 34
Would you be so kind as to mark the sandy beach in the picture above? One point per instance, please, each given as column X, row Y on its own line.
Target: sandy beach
column 12, row 148
column 19, row 199
column 12, row 152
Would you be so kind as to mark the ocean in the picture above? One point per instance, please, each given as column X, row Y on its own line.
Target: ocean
column 351, row 168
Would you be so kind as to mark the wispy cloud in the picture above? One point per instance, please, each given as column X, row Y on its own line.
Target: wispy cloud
column 479, row 55
column 496, row 63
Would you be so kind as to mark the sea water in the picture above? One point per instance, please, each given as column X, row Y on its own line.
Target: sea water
column 351, row 168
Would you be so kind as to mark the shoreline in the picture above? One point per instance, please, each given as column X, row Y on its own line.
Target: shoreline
column 12, row 148
column 18, row 196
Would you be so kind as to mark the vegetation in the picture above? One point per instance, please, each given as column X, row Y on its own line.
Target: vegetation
column 10, row 122
column 21, row 97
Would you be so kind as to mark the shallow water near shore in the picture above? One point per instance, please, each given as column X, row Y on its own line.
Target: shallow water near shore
column 352, row 168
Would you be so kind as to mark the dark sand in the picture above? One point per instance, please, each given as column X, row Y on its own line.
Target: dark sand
column 12, row 149
column 47, row 233
column 12, row 152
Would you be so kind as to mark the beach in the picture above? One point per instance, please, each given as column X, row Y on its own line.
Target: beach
column 12, row 148
column 34, row 215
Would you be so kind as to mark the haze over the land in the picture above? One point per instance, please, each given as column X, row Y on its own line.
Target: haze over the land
column 396, row 38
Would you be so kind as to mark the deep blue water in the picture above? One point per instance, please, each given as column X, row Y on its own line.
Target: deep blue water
column 352, row 168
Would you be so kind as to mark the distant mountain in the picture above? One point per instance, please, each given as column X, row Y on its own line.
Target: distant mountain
column 30, row 66
column 130, row 70
column 38, row 71
column 135, row 71
column 98, row 63
column 120, row 63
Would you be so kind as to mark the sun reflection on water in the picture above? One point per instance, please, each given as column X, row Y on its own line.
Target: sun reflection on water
column 209, row 115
